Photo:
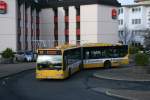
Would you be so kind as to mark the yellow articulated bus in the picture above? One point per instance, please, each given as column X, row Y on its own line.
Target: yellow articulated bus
column 60, row 63
column 104, row 55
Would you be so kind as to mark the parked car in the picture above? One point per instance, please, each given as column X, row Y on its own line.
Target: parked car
column 19, row 56
column 26, row 56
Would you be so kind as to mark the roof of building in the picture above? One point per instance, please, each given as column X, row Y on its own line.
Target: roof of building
column 65, row 3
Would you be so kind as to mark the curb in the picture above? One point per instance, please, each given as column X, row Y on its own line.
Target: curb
column 107, row 92
column 13, row 74
column 129, row 94
column 115, row 93
column 119, row 79
column 119, row 96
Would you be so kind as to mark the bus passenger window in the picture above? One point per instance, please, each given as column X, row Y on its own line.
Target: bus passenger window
column 115, row 53
column 87, row 55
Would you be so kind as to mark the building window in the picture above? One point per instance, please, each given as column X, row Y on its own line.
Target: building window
column 136, row 21
column 132, row 21
column 133, row 9
column 139, row 21
column 121, row 32
column 78, row 25
column 137, row 9
column 66, row 25
column 120, row 11
column 121, row 22
column 136, row 32
column 66, row 11
column 133, row 32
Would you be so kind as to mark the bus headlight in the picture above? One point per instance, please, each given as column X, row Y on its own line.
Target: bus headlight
column 39, row 75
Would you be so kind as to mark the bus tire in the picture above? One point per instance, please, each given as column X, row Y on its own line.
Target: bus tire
column 107, row 64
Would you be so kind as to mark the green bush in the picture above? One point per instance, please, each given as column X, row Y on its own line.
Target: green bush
column 141, row 59
column 8, row 53
column 133, row 50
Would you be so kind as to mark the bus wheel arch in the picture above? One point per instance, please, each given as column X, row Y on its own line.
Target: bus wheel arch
column 107, row 64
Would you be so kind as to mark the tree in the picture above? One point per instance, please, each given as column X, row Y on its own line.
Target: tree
column 126, row 36
column 8, row 53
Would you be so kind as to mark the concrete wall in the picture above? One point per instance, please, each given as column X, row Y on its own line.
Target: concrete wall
column 89, row 23
column 8, row 27
column 22, row 27
column 61, row 26
column 29, row 28
column 97, row 25
column 47, row 26
column 72, row 25
column 34, row 27
column 107, row 27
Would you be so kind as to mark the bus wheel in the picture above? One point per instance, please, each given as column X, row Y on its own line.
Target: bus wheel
column 107, row 64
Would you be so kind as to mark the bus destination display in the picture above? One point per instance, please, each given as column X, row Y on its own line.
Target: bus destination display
column 49, row 52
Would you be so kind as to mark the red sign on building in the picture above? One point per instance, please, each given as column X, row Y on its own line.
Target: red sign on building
column 3, row 7
column 114, row 14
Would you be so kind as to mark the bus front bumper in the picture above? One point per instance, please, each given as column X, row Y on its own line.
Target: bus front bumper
column 50, row 74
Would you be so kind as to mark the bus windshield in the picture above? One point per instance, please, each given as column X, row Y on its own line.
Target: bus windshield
column 50, row 62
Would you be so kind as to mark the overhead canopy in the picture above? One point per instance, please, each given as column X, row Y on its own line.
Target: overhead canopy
column 65, row 3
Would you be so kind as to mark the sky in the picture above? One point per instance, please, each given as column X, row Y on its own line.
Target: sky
column 124, row 2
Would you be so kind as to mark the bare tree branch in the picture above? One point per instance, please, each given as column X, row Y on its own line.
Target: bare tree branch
column 127, row 36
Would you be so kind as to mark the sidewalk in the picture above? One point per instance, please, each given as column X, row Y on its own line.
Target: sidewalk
column 124, row 74
column 125, row 94
column 11, row 69
column 131, row 74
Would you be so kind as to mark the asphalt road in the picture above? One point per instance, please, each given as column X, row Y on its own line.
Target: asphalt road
column 25, row 87
column 79, row 87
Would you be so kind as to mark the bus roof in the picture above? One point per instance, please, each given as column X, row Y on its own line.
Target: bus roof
column 99, row 44
column 60, row 47
column 70, row 46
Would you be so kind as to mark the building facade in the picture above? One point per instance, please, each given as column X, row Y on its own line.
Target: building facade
column 135, row 19
column 32, row 24
column 141, row 0
column 8, row 26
